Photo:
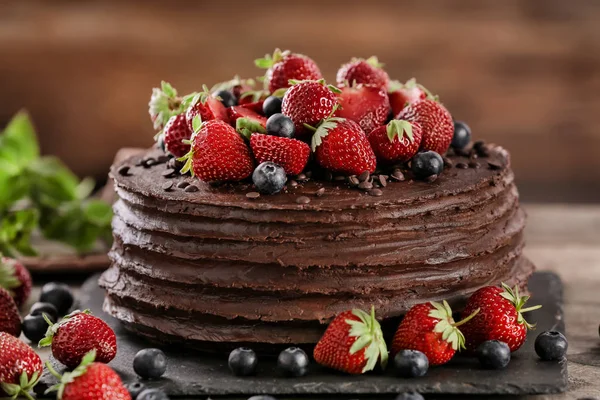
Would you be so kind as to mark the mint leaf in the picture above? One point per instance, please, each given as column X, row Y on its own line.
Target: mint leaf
column 18, row 143
column 98, row 212
column 15, row 232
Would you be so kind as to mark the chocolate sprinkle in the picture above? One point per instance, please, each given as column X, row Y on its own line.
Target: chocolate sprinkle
column 167, row 186
column 162, row 159
column 474, row 164
column 339, row 178
column 302, row 200
column 191, row 188
column 320, row 192
column 353, row 180
column 448, row 163
column 366, row 185
column 183, row 184
column 123, row 170
column 301, row 177
column 364, row 176
column 168, row 172
column 293, row 183
column 253, row 195
column 382, row 180
column 398, row 175
column 494, row 165
column 462, row 165
column 376, row 192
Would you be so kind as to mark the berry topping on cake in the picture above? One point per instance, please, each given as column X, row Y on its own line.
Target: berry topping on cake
column 367, row 72
column 227, row 98
column 340, row 145
column 462, row 135
column 236, row 112
column 280, row 125
column 291, row 154
column 436, row 123
column 174, row 134
column 403, row 94
column 269, row 178
column 283, row 66
column 204, row 105
column 272, row 105
column 398, row 141
column 366, row 105
column 309, row 102
column 426, row 164
column 164, row 103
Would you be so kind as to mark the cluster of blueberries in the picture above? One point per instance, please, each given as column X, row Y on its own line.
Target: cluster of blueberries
column 56, row 299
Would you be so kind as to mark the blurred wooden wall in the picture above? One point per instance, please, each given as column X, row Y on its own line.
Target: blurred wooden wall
column 523, row 73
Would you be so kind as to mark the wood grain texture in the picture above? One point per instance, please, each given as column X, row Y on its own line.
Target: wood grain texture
column 523, row 73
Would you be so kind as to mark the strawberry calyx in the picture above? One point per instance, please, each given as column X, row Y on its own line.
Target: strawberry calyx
column 230, row 84
column 8, row 276
column 411, row 84
column 246, row 127
column 269, row 60
column 321, row 81
column 399, row 128
column 369, row 336
column 374, row 62
column 322, row 130
column 519, row 302
column 192, row 99
column 446, row 325
column 164, row 103
column 188, row 158
column 22, row 389
column 54, row 327
column 69, row 377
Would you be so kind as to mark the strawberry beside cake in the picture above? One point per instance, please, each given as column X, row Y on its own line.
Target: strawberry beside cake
column 267, row 209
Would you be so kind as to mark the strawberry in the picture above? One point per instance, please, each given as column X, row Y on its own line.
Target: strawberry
column 256, row 106
column 204, row 105
column 10, row 320
column 175, row 132
column 283, row 66
column 368, row 106
column 340, row 145
column 367, row 72
column 218, row 153
column 20, row 367
column 15, row 278
column 236, row 112
column 164, row 103
column 436, row 123
column 398, row 141
column 308, row 102
column 403, row 94
column 89, row 381
column 353, row 343
column 430, row 328
column 78, row 333
column 291, row 154
column 500, row 318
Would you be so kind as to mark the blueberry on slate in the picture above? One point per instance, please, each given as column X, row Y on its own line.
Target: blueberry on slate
column 243, row 361
column 426, row 164
column 227, row 98
column 35, row 327
column 280, row 125
column 410, row 396
column 411, row 364
column 551, row 345
column 269, row 178
column 59, row 295
column 135, row 388
column 493, row 354
column 152, row 394
column 462, row 135
column 39, row 308
column 272, row 105
column 262, row 398
column 150, row 363
column 293, row 362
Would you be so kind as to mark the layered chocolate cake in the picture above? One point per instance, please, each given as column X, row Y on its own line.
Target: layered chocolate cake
column 244, row 261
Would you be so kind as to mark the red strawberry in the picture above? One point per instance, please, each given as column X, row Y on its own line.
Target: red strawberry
column 164, row 103
column 218, row 153
column 366, row 105
column 15, row 278
column 77, row 334
column 283, row 66
column 291, row 154
column 368, row 72
column 398, row 141
column 402, row 94
column 256, row 106
column 500, row 317
column 436, row 123
column 430, row 328
column 236, row 112
column 89, row 381
column 20, row 367
column 175, row 132
column 341, row 146
column 10, row 320
column 204, row 105
column 353, row 343
column 308, row 102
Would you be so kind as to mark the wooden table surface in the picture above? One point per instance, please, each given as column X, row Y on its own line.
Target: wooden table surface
column 566, row 239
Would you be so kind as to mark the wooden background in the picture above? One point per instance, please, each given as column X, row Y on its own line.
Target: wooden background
column 523, row 73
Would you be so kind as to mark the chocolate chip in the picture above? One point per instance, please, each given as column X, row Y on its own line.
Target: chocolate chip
column 382, row 180
column 148, row 162
column 481, row 148
column 339, row 178
column 175, row 164
column 431, row 178
column 167, row 186
column 448, row 163
column 462, row 165
column 462, row 152
column 293, row 183
column 328, row 176
column 302, row 200
column 308, row 174
column 375, row 192
column 123, row 170
column 169, row 172
column 494, row 165
column 301, row 177
column 353, row 180
column 183, row 184
column 365, row 185
column 364, row 176
column 191, row 188
column 397, row 175
column 162, row 159
column 253, row 195
column 320, row 192
column 474, row 164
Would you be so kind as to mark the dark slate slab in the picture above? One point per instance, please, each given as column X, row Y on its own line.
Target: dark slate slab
column 196, row 374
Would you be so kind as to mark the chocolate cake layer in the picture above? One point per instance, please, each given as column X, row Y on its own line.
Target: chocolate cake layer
column 214, row 265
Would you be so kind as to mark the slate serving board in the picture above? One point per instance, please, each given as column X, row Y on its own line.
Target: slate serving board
column 196, row 374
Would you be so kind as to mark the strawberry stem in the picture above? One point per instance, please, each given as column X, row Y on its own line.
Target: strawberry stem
column 524, row 310
column 464, row 321
column 310, row 127
column 52, row 370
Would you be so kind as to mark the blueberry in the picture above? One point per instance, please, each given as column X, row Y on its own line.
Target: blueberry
column 426, row 164
column 411, row 364
column 280, row 125
column 59, row 295
column 293, row 362
column 272, row 105
column 493, row 354
column 152, row 394
column 35, row 327
column 269, row 178
column 262, row 398
column 410, row 396
column 243, row 361
column 227, row 98
column 462, row 135
column 39, row 308
column 150, row 363
column 135, row 388
column 551, row 345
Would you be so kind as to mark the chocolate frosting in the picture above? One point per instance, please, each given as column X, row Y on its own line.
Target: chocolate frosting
column 216, row 266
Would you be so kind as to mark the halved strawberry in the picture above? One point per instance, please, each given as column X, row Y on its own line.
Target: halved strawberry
column 366, row 105
column 236, row 112
column 204, row 105
column 291, row 154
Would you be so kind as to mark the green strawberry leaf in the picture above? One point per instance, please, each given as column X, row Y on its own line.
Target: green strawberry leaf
column 323, row 130
column 246, row 127
column 369, row 337
column 374, row 61
column 398, row 128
